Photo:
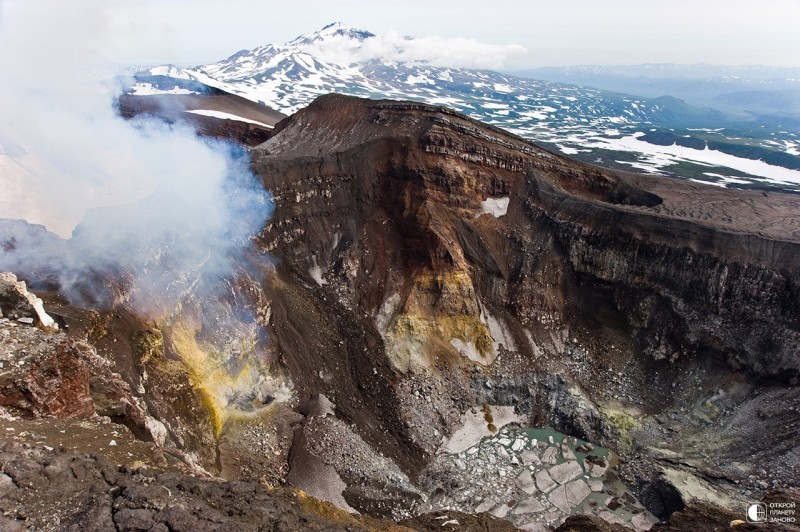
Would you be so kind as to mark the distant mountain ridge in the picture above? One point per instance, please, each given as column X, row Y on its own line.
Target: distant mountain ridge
column 674, row 70
column 752, row 89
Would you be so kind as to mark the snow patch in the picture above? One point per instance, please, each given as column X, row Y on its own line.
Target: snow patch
column 656, row 157
column 497, row 207
column 316, row 272
column 501, row 337
column 148, row 89
column 170, row 71
column 226, row 116
column 502, row 87
column 568, row 150
column 421, row 79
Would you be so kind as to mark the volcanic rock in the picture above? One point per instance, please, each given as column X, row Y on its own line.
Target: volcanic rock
column 247, row 122
column 53, row 490
column 48, row 375
column 384, row 196
column 17, row 302
column 609, row 306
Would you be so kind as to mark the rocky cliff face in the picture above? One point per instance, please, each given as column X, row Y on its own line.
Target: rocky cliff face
column 620, row 308
column 422, row 270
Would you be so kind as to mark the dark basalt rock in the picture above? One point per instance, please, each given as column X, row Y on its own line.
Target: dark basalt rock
column 53, row 490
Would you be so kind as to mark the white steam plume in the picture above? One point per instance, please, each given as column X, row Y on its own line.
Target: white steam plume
column 163, row 205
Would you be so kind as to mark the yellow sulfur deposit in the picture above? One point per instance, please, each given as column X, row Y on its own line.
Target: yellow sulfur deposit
column 211, row 373
column 441, row 314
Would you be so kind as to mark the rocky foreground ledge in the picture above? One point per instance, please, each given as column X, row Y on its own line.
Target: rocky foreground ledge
column 55, row 490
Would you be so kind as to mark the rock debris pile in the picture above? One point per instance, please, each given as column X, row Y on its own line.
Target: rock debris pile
column 535, row 478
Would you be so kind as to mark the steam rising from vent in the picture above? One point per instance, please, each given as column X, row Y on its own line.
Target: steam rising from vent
column 156, row 204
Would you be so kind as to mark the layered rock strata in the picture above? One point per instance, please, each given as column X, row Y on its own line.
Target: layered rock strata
column 474, row 267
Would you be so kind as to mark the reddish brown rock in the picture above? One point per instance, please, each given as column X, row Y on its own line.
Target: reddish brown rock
column 54, row 375
column 50, row 383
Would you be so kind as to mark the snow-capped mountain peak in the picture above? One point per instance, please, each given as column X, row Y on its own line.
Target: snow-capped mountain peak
column 338, row 46
column 333, row 46
column 334, row 31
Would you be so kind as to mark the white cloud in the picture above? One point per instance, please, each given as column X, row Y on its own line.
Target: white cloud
column 433, row 50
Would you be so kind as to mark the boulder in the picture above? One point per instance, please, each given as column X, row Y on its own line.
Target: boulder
column 17, row 303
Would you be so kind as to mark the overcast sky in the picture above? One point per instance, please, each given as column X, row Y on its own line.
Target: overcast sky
column 552, row 33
